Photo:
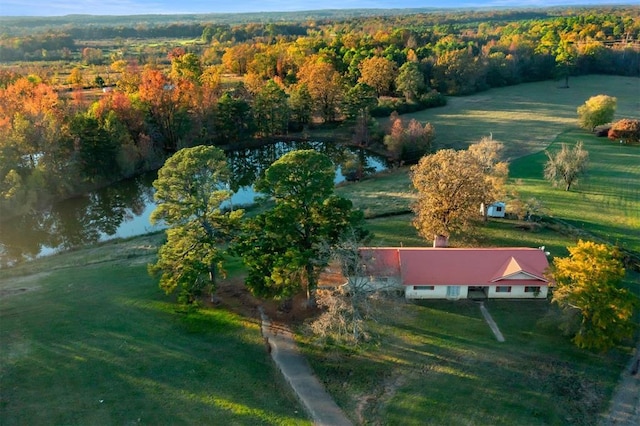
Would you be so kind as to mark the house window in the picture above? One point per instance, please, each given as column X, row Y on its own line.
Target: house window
column 453, row 291
column 503, row 289
column 532, row 289
column 423, row 287
column 498, row 208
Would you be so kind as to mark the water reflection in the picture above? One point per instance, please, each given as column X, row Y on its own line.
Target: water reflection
column 123, row 210
column 77, row 221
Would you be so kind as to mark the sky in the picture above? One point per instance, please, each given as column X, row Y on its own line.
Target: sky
column 139, row 7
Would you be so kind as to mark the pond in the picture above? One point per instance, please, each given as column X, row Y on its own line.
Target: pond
column 123, row 209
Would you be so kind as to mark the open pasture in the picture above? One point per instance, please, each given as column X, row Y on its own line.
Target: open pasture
column 438, row 363
column 604, row 204
column 90, row 339
column 526, row 117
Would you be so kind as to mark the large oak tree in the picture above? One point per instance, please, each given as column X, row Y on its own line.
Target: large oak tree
column 451, row 186
column 283, row 247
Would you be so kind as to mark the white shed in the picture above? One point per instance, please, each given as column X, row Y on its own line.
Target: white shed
column 496, row 209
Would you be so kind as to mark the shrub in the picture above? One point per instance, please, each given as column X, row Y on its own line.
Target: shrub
column 627, row 130
column 387, row 105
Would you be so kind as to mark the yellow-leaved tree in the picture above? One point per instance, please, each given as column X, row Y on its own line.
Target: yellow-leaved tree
column 451, row 186
column 599, row 311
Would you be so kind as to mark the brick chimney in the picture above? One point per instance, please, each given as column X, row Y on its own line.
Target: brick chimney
column 440, row 241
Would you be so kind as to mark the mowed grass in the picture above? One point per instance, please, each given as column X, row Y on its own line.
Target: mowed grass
column 438, row 363
column 526, row 117
column 604, row 204
column 98, row 343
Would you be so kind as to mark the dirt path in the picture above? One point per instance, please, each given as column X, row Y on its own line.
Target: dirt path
column 624, row 408
column 294, row 367
column 492, row 324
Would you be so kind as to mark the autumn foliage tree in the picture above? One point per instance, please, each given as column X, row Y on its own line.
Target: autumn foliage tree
column 627, row 130
column 166, row 106
column 324, row 85
column 379, row 73
column 407, row 143
column 35, row 151
column 588, row 288
column 451, row 185
column 496, row 171
column 597, row 110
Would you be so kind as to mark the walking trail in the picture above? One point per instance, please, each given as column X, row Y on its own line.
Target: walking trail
column 624, row 408
column 318, row 404
column 492, row 324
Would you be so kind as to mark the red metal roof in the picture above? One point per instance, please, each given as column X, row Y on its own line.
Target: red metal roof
column 464, row 266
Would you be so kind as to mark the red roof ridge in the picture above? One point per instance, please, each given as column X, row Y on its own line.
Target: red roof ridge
column 512, row 267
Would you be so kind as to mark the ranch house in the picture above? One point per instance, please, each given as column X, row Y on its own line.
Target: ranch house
column 455, row 273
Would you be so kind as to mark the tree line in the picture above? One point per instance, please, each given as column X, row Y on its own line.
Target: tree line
column 56, row 142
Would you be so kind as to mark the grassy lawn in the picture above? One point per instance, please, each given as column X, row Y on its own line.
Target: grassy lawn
column 389, row 192
column 88, row 338
column 438, row 363
column 526, row 117
column 604, row 203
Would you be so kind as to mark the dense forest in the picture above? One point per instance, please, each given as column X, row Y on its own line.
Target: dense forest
column 88, row 102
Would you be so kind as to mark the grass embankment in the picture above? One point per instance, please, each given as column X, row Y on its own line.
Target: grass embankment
column 88, row 338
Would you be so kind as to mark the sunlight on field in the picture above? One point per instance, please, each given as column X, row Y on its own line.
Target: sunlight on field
column 526, row 117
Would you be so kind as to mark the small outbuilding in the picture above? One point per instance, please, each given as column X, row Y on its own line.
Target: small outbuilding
column 496, row 209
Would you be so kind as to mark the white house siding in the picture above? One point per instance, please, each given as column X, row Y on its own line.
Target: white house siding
column 517, row 292
column 438, row 292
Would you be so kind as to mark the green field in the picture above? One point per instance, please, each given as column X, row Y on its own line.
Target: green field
column 89, row 339
column 605, row 204
column 438, row 363
column 526, row 117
